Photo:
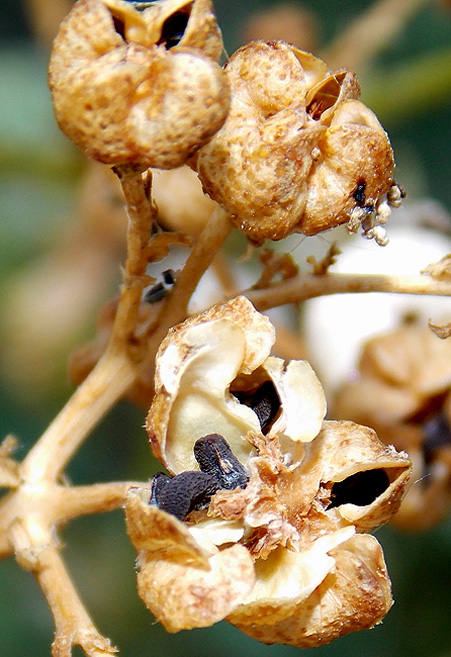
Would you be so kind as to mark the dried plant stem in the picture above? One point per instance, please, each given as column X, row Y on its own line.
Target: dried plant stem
column 308, row 286
column 30, row 513
column 116, row 370
column 175, row 309
column 109, row 380
column 370, row 33
column 74, row 626
column 76, row 501
column 141, row 212
column 224, row 274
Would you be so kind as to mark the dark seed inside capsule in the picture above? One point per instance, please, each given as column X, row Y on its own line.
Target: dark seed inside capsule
column 155, row 294
column 359, row 194
column 193, row 489
column 361, row 488
column 437, row 434
column 159, row 481
column 264, row 401
column 168, row 276
column 173, row 29
column 185, row 492
column 215, row 457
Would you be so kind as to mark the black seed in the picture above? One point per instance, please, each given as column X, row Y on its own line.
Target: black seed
column 159, row 481
column 437, row 434
column 359, row 194
column 174, row 28
column 215, row 457
column 187, row 491
column 264, row 402
column 155, row 294
column 119, row 26
column 168, row 276
column 361, row 488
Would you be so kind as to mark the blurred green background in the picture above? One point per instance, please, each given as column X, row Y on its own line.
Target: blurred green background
column 408, row 85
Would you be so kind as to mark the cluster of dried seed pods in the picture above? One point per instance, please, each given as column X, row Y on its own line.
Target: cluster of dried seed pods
column 283, row 144
column 264, row 521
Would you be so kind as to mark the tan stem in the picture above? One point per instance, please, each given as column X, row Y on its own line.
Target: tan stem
column 83, row 500
column 107, row 383
column 370, row 33
column 141, row 213
column 115, row 371
column 73, row 624
column 207, row 245
column 308, row 286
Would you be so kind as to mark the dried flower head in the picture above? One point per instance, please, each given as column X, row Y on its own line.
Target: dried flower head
column 138, row 83
column 404, row 392
column 258, row 524
column 298, row 152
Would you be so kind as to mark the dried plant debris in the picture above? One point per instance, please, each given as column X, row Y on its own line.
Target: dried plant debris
column 440, row 270
column 275, row 264
column 442, row 331
column 321, row 267
column 263, row 519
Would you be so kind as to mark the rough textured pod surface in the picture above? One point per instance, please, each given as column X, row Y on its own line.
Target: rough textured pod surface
column 298, row 152
column 283, row 555
column 143, row 87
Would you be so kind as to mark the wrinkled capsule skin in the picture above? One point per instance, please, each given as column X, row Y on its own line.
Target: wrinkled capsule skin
column 140, row 87
column 284, row 555
column 297, row 147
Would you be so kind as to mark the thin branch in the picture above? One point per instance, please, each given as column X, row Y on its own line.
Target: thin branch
column 308, row 286
column 141, row 212
column 370, row 33
column 109, row 380
column 76, row 501
column 175, row 309
column 115, row 371
column 73, row 624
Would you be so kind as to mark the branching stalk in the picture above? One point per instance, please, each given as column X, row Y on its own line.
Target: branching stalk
column 308, row 286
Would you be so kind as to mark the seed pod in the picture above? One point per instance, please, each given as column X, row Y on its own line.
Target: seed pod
column 276, row 552
column 404, row 392
column 143, row 87
column 296, row 146
column 207, row 374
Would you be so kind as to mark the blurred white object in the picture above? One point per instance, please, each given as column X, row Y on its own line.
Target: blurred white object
column 335, row 327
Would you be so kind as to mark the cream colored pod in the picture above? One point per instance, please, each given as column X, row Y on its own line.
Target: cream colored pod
column 404, row 391
column 282, row 558
column 137, row 82
column 298, row 152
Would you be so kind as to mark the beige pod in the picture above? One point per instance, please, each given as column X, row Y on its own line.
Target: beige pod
column 139, row 86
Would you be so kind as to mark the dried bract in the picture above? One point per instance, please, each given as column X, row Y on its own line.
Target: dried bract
column 139, row 86
column 404, row 392
column 278, row 556
column 298, row 152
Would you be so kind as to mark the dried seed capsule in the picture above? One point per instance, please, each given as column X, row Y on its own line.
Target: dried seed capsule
column 295, row 148
column 143, row 87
